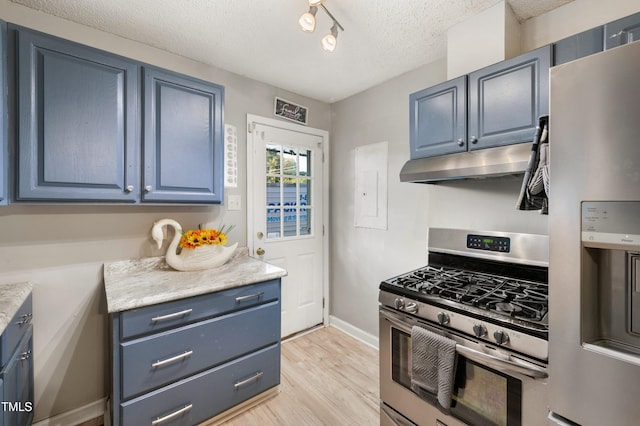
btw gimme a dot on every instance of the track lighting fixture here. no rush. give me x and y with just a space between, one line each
308 24
330 40
308 20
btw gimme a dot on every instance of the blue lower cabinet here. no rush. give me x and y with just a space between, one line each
4 153
17 385
214 352
156 318
207 394
16 368
160 359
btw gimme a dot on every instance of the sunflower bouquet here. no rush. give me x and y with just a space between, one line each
205 237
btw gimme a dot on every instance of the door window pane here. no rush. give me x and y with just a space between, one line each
290 222
274 222
290 192
288 188
305 221
290 161
305 191
273 160
305 162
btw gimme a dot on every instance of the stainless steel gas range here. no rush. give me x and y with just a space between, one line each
487 293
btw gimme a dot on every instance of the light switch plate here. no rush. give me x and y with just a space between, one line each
234 202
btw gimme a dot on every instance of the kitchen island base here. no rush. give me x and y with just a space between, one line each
199 357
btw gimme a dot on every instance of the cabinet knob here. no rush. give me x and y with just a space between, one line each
460 142
129 188
148 188
474 140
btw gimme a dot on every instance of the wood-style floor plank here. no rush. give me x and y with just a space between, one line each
328 378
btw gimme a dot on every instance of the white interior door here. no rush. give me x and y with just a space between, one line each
286 214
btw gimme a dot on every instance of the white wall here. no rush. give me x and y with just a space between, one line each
62 248
361 258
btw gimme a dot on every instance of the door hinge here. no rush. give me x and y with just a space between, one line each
251 127
323 303
323 230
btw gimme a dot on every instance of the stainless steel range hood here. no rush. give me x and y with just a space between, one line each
482 163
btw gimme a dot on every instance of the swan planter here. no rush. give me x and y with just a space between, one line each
190 259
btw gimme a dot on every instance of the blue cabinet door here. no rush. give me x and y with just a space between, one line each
4 166
17 385
183 139
506 99
578 46
438 119
622 31
78 134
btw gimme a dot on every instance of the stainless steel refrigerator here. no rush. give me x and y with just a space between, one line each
594 234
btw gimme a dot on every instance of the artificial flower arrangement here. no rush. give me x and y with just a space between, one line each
205 237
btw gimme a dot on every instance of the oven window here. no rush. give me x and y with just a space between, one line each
401 357
481 396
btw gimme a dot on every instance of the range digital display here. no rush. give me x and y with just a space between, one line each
483 242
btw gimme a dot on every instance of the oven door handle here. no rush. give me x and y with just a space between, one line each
507 366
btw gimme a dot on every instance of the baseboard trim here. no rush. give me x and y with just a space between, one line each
75 417
355 332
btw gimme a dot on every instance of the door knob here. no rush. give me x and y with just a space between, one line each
260 251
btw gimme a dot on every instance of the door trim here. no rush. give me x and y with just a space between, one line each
256 119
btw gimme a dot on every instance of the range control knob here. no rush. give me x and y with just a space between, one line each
398 303
443 318
479 330
412 308
501 337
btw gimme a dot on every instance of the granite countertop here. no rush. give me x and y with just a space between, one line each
131 284
12 296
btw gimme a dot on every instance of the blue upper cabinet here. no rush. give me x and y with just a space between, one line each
78 134
497 105
622 31
506 99
438 119
3 114
183 139
578 46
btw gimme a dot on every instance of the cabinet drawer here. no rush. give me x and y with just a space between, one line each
14 332
206 394
161 317
154 361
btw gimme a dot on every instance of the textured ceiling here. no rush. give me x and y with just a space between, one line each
262 40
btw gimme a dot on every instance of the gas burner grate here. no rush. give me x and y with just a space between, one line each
516 298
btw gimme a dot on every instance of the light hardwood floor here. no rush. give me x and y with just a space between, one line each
328 378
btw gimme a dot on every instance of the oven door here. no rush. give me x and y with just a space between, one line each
489 388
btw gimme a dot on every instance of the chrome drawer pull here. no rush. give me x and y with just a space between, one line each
249 380
24 319
171 316
183 410
172 359
250 296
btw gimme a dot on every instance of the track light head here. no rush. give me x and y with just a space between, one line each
308 20
330 41
315 2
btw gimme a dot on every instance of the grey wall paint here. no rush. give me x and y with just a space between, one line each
62 248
